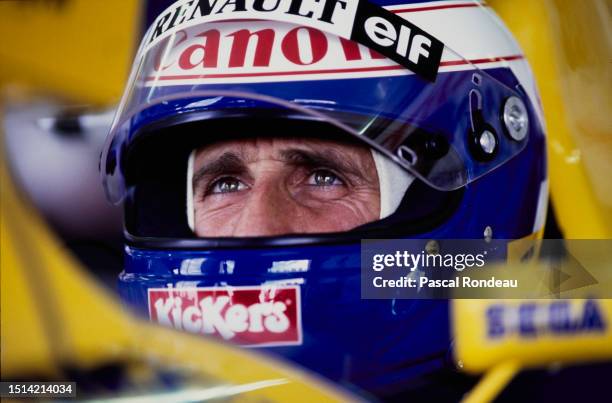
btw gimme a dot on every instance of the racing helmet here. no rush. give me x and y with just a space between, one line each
457 140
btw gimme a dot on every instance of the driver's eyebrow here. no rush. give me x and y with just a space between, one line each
228 163
326 158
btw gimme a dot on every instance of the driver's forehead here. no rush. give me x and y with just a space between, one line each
254 149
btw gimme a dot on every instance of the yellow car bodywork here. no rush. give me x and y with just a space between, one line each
54 315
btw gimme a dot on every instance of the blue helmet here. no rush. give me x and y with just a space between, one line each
460 151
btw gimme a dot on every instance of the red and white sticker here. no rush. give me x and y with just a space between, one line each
225 52
248 316
267 51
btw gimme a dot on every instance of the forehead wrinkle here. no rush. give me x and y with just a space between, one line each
325 157
247 150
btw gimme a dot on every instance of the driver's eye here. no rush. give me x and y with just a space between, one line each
324 177
226 185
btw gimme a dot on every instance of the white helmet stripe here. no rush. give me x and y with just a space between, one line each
190 206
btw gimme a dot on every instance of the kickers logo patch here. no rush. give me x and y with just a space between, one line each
248 316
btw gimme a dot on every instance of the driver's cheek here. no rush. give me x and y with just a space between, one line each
217 221
355 208
275 210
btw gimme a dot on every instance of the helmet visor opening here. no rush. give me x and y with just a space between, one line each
158 204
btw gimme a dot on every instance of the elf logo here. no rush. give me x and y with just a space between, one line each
399 40
250 316
384 33
535 319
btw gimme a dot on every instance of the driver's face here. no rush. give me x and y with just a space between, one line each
274 186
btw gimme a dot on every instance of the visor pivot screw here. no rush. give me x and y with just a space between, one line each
432 247
488 234
487 142
515 118
482 136
407 155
